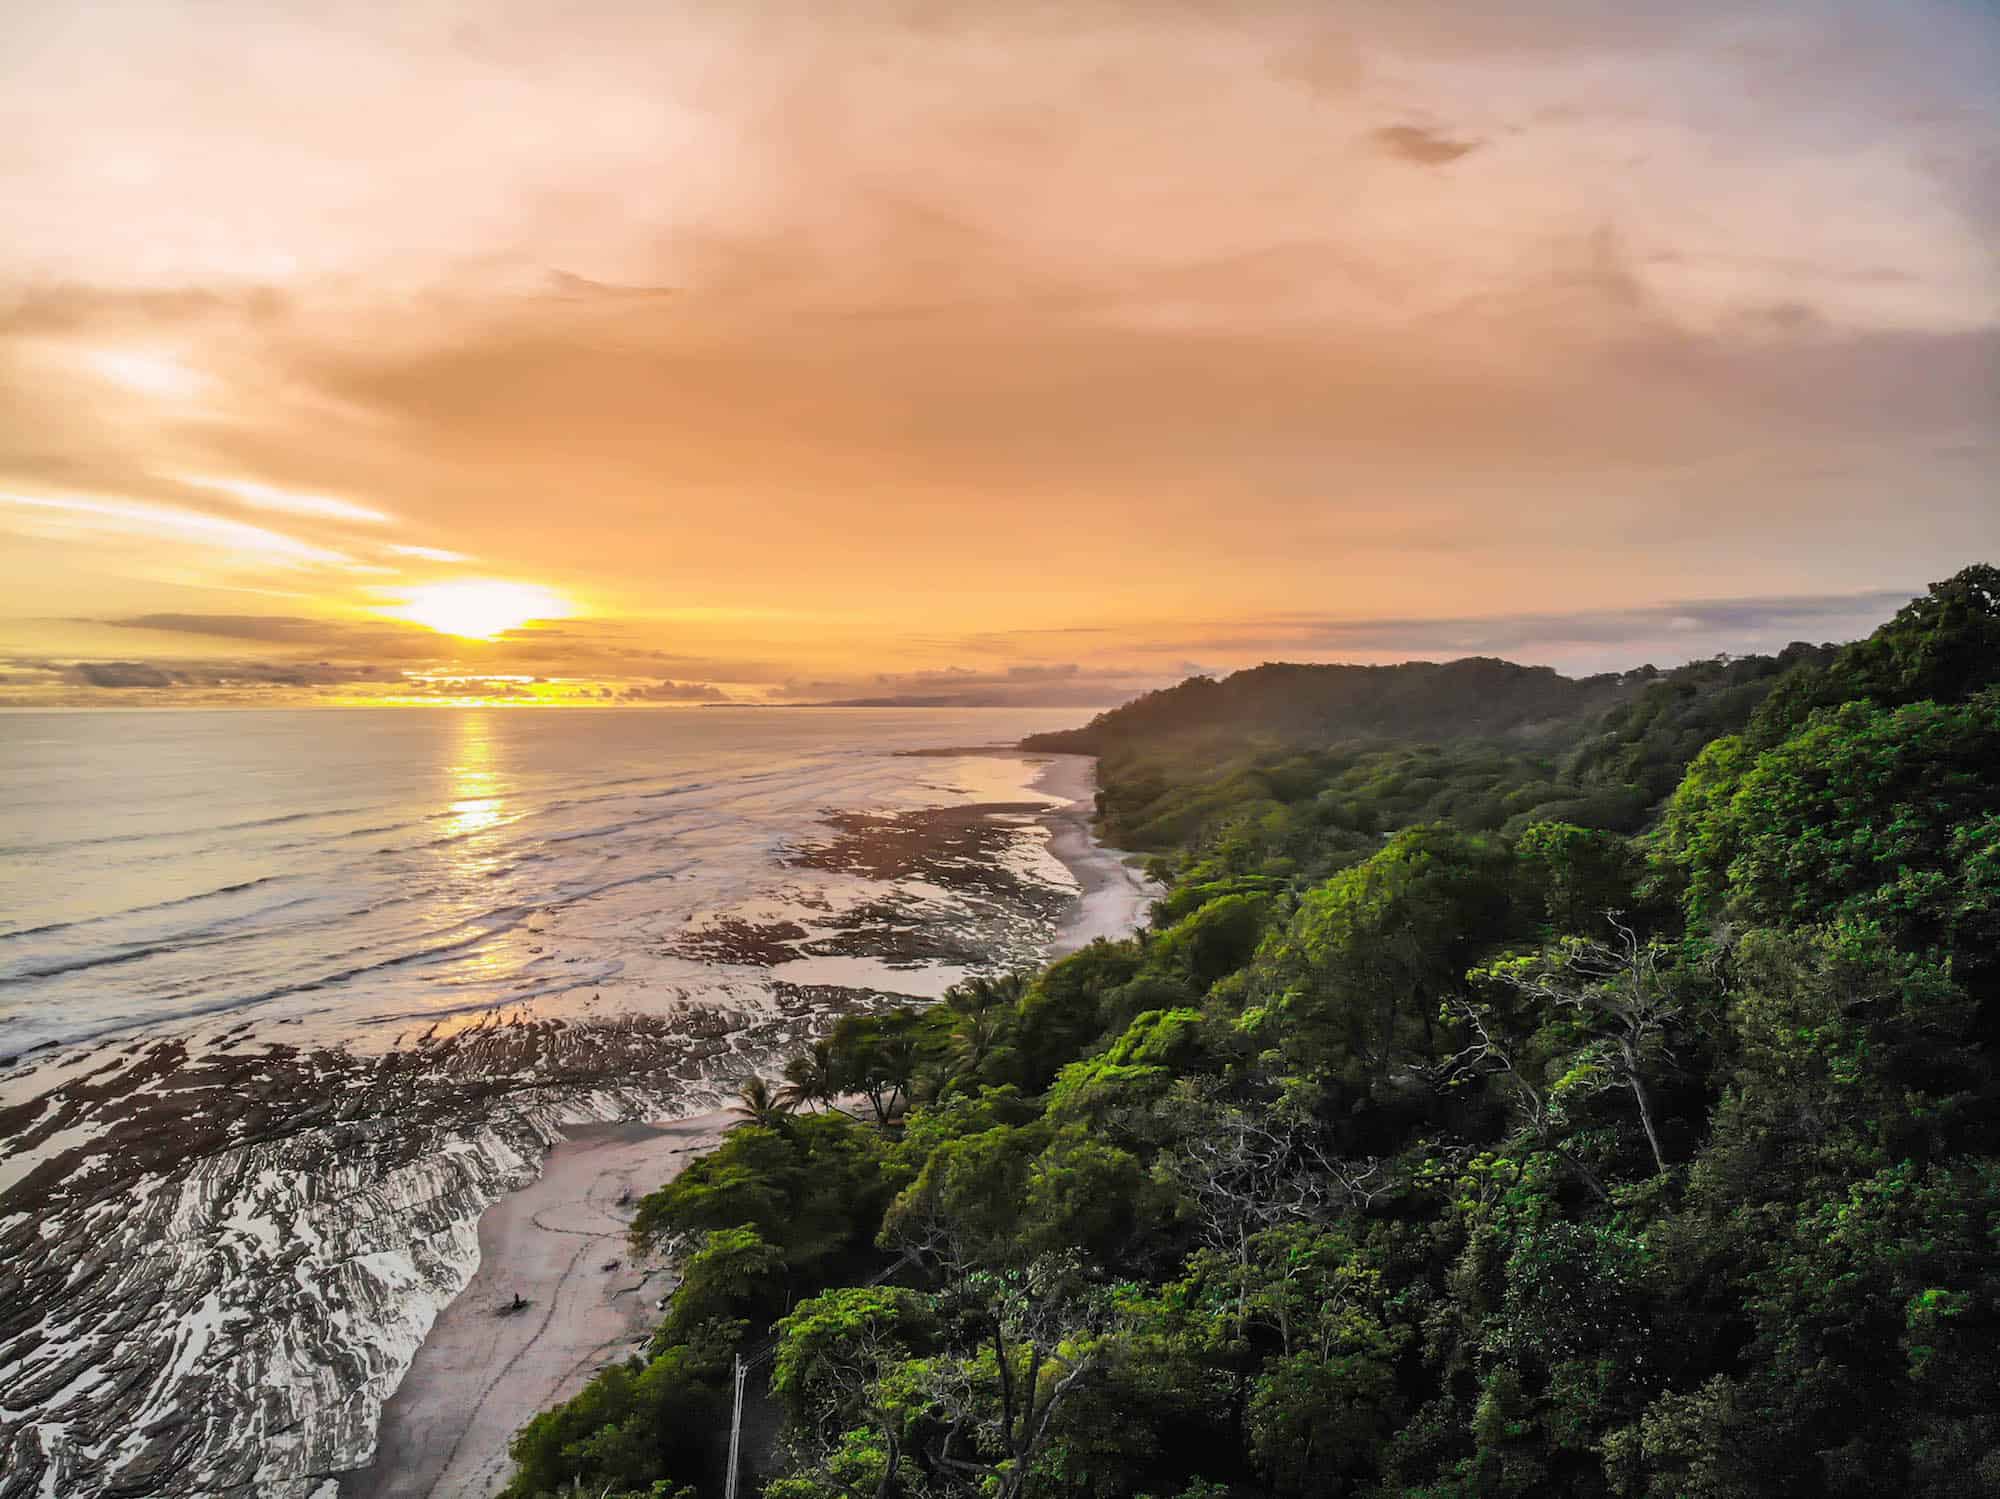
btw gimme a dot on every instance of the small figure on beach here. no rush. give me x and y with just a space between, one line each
624 1197
611 1264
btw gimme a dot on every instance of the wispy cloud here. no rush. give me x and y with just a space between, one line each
270 497
1425 147
130 520
428 554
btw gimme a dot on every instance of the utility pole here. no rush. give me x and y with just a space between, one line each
735 1430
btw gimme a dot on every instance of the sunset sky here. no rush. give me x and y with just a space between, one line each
1027 351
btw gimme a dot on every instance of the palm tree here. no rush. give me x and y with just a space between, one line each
812 1078
759 1105
976 1037
980 994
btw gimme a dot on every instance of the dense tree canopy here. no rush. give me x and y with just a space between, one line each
1428 1144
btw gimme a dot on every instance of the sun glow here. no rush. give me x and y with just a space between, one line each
148 372
481 608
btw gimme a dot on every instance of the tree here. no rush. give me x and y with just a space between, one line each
1064 1008
1582 873
812 1078
1877 814
1383 943
1942 647
1045 1331
734 1274
963 1210
814 1188
1618 990
1496 1050
878 1057
836 1357
758 1103
1212 941
1246 1169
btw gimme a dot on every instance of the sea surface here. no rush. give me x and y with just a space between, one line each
367 872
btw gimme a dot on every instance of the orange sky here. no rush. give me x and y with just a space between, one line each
1030 352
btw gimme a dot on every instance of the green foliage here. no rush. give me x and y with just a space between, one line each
832 1348
1942 647
1361 969
631 1424
1391 1164
1580 874
734 1274
1212 941
814 1189
1880 815
1066 1006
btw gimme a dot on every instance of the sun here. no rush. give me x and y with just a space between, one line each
481 608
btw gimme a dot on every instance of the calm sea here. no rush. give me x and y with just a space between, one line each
364 874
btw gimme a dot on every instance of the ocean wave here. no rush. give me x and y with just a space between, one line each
63 845
49 927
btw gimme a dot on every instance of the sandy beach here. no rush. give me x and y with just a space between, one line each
483 1373
1113 896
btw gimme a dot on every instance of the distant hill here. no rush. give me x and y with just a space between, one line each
1478 697
1486 743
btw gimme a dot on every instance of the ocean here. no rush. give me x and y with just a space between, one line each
288 999
366 872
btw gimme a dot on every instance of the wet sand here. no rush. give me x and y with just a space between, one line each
482 1372
1114 897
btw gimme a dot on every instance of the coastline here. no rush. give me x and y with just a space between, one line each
548 1242
479 1375
1113 897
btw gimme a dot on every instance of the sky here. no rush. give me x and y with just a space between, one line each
678 352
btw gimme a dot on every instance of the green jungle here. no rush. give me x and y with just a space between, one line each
1524 1086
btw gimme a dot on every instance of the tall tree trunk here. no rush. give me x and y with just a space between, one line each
1644 1097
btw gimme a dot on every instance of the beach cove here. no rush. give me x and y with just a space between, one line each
234 1249
484 1371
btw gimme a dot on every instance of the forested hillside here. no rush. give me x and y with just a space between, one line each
1295 704
1428 1144
1485 744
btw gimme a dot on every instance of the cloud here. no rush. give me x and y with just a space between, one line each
127 521
1051 685
216 674
604 648
564 286
675 692
1425 147
120 674
41 307
381 639
270 497
946 325
283 629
